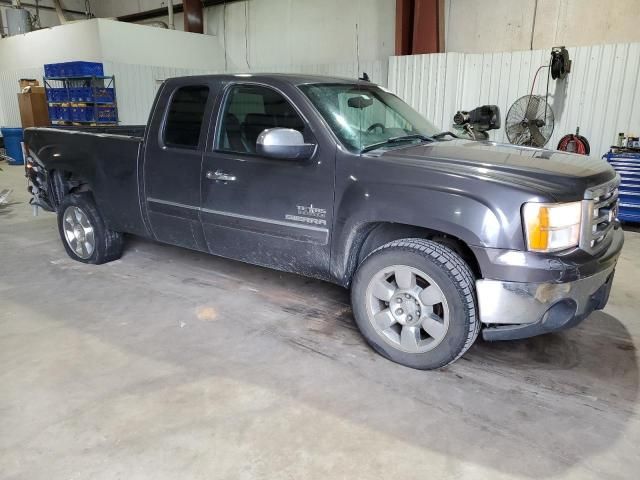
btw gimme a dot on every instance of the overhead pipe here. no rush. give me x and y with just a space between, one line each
172 25
155 23
160 12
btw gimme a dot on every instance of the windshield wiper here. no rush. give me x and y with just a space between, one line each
393 140
444 134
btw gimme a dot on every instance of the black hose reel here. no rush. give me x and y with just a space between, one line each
560 63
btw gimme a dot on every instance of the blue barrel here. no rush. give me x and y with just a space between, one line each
12 139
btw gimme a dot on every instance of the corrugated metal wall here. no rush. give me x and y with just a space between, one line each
601 95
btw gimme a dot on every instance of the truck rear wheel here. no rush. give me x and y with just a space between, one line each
83 232
414 302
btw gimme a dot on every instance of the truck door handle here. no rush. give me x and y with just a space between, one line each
221 176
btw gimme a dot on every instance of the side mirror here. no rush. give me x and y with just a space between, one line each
284 144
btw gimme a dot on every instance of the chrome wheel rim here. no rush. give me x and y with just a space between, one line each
407 309
78 232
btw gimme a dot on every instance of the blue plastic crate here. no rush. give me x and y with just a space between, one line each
105 95
81 94
12 139
59 114
57 95
53 112
107 114
52 70
74 69
73 94
83 69
82 114
88 94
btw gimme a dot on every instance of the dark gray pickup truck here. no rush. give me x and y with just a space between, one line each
340 180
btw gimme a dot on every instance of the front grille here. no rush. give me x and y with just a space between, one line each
599 214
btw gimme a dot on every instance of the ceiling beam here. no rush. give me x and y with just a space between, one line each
161 12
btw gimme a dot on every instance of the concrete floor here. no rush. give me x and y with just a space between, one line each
173 364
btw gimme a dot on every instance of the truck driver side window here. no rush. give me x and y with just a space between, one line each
185 116
249 110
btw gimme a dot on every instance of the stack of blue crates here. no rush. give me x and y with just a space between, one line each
87 96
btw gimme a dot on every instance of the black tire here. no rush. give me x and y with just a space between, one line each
454 278
108 244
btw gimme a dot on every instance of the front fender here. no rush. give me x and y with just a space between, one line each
454 212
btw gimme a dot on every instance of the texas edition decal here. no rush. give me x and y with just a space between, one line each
310 214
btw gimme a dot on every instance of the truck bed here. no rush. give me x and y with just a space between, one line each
106 158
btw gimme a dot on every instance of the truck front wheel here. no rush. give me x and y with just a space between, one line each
83 232
414 302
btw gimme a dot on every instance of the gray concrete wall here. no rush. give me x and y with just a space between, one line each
475 26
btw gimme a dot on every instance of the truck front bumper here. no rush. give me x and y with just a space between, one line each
511 310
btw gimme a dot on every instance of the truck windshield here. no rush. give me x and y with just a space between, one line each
365 117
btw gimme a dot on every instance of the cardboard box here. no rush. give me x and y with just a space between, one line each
33 109
28 82
30 89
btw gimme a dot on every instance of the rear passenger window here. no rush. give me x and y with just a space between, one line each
185 116
250 109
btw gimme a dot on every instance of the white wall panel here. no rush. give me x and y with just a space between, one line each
137 84
9 88
601 95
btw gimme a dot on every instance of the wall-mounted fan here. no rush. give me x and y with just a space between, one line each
530 121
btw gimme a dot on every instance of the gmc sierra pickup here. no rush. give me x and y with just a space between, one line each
341 180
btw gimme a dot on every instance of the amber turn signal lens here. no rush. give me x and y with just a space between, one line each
552 227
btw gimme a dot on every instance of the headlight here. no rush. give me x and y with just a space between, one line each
550 227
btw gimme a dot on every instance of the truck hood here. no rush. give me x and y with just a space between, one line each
558 174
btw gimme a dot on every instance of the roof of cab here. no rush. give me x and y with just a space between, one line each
292 78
